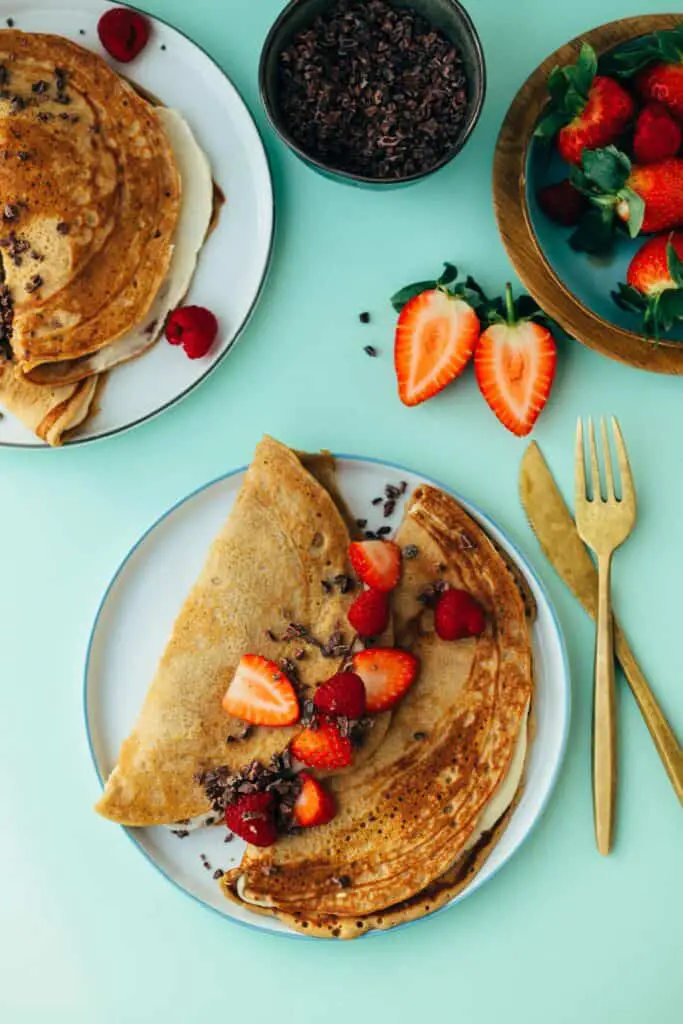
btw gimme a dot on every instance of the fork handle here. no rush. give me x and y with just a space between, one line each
604 713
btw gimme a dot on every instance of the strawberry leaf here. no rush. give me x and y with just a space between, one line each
675 265
568 88
629 299
404 295
595 231
606 170
449 274
582 74
636 210
631 58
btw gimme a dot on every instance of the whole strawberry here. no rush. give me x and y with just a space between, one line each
657 135
648 198
654 284
562 203
586 110
655 61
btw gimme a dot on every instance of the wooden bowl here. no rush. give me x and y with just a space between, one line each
515 221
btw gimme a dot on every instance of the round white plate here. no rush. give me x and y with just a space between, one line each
234 261
135 619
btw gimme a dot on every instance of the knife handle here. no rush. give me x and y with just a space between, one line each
662 734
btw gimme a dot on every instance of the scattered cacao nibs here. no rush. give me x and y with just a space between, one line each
345 583
389 508
181 833
364 318
361 523
63 228
410 551
81 31
11 211
60 79
343 881
95 129
44 115
403 487
419 736
62 98
209 821
39 258
327 586
163 46
40 86
218 874
224 787
289 668
64 116
9 22
370 535
377 501
383 531
150 328
373 89
228 838
390 491
34 283
24 154
270 635
371 351
17 104
6 317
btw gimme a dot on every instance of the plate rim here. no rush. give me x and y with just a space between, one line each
267 266
514 220
519 556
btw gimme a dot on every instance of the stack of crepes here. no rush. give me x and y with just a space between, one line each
433 787
106 202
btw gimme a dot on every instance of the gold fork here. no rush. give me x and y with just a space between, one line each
604 524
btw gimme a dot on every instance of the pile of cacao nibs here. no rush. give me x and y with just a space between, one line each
373 90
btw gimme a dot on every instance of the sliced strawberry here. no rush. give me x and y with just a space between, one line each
515 366
261 694
369 613
342 695
123 33
376 562
314 805
323 747
458 615
252 817
435 337
387 673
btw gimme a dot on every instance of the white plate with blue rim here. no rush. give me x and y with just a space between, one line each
135 619
233 263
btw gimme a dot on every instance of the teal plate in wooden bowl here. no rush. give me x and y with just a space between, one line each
572 287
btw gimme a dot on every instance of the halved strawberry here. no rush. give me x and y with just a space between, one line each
435 337
342 694
261 694
323 747
387 673
369 613
314 805
376 562
515 366
252 817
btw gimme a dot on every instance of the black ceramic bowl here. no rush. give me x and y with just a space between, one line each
446 15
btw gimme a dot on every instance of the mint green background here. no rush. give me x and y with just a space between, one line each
89 933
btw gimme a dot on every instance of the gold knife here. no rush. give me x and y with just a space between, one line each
554 527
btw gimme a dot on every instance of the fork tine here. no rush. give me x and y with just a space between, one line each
579 468
595 467
609 473
628 492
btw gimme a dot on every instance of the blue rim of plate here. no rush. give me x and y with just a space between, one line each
520 558
79 441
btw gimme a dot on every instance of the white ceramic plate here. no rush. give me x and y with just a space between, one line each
135 619
234 261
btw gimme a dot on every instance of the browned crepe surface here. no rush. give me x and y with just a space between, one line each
85 151
406 816
264 570
48 411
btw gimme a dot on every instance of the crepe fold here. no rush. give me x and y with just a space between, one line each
418 817
263 572
91 194
48 411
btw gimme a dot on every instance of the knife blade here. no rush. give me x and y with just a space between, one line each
554 527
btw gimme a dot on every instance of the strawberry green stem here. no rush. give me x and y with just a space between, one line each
510 312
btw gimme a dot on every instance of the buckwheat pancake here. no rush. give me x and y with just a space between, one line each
437 790
48 411
285 534
91 194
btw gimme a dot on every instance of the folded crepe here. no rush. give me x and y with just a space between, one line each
91 194
419 817
261 583
48 411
